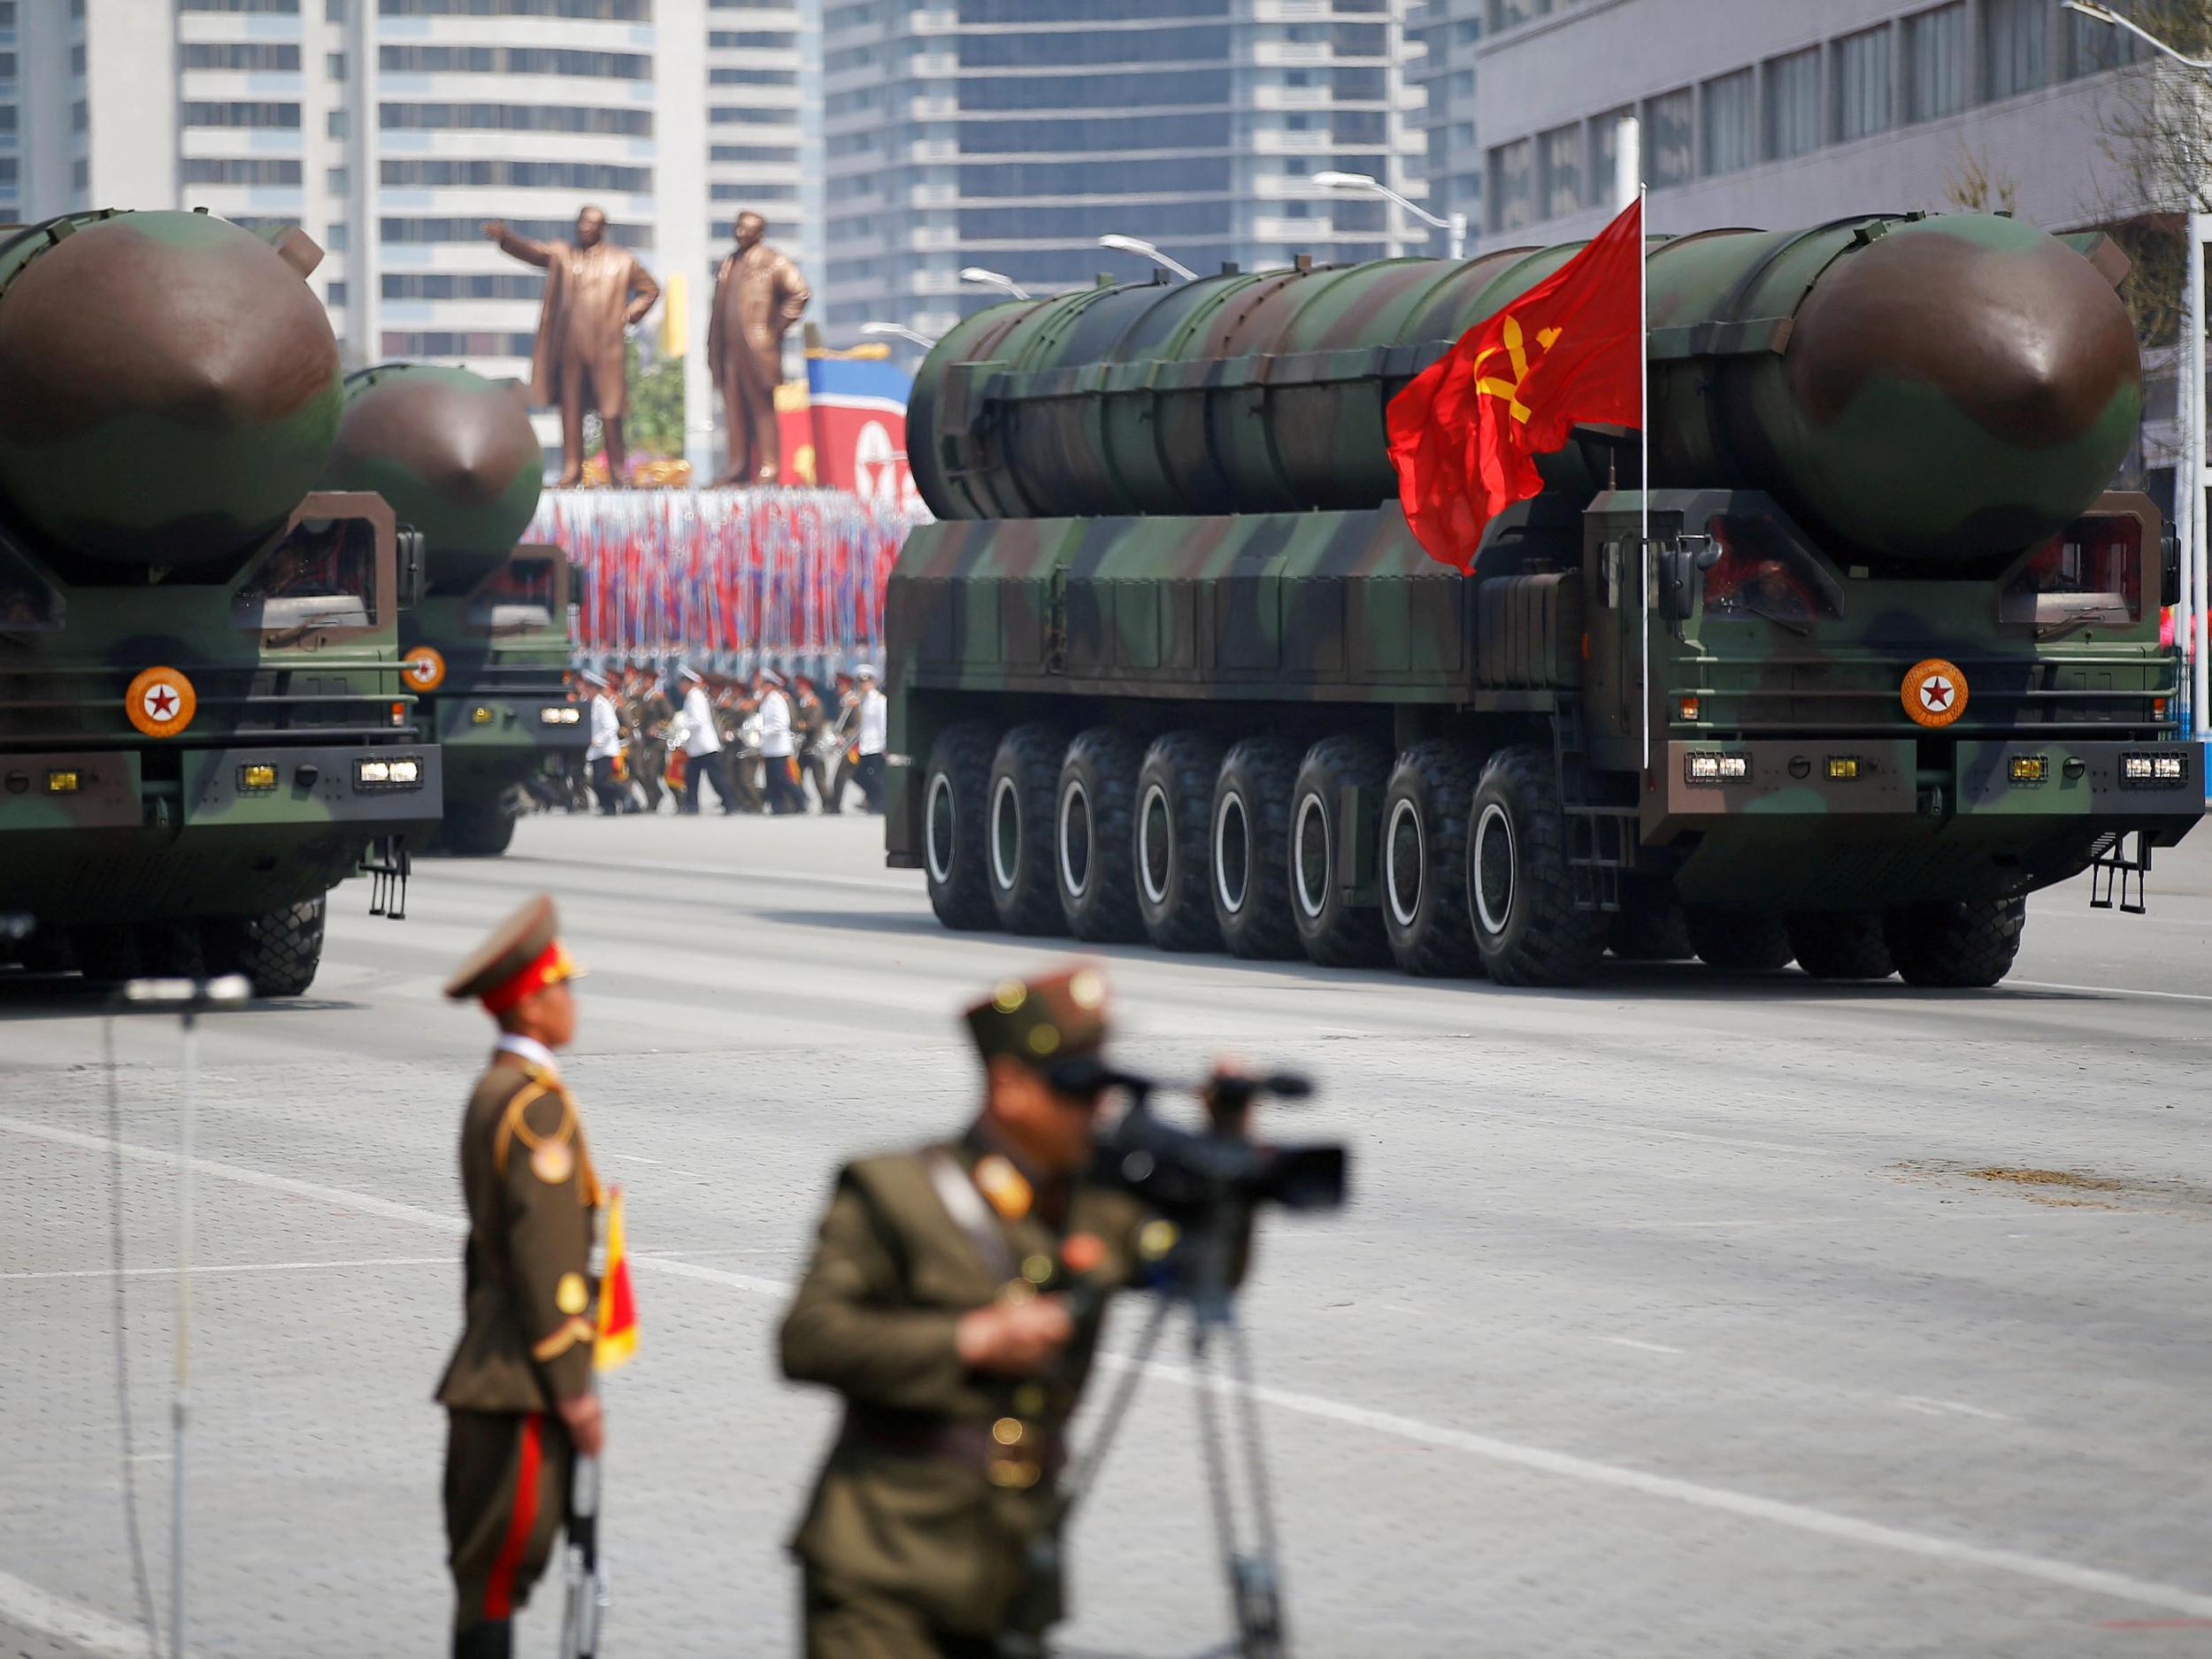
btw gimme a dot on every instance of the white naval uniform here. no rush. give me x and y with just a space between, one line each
700 734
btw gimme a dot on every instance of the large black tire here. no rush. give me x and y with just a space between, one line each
1173 846
1739 941
1024 782
1520 893
1334 932
1650 925
1250 842
477 829
1422 860
1830 946
955 856
278 952
1093 836
1958 944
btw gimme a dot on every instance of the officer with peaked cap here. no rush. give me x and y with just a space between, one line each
955 1300
518 1391
778 764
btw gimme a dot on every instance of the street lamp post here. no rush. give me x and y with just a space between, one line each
2190 474
1145 250
898 331
981 278
1452 225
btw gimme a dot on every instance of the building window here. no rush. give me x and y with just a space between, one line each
1731 138
337 180
595 11
521 176
240 55
1605 155
1505 13
335 65
1792 114
1559 172
1512 199
513 118
2016 46
1670 157
1935 63
513 60
335 293
240 169
243 114
2092 47
338 123
1862 62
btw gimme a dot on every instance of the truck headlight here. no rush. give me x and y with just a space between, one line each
1708 768
372 772
2159 770
560 715
407 771
2030 768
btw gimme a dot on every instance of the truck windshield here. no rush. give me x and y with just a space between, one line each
521 597
28 603
2090 571
321 576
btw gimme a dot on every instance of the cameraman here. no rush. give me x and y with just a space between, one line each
955 1300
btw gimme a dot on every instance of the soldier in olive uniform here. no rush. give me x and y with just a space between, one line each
651 713
808 720
518 1391
955 1301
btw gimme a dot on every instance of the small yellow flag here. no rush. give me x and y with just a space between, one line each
618 1303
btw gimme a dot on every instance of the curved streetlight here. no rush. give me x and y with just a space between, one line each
981 278
2190 510
899 330
1145 250
1454 226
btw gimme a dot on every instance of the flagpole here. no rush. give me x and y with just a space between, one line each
1628 187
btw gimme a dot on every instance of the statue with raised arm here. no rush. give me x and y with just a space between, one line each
594 291
758 295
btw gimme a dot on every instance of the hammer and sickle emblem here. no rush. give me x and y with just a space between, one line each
1517 354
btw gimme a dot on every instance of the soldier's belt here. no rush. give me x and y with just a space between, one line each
1002 1444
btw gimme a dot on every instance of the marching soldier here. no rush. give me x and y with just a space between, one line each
809 721
955 1301
650 721
873 727
518 1391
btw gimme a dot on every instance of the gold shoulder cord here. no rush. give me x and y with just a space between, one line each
515 1125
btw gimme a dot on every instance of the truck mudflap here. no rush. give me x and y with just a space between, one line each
262 786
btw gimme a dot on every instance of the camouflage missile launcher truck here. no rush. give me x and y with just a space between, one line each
1171 666
486 649
202 723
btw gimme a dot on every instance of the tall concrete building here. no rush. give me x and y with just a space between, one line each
1759 113
1448 35
393 130
1012 133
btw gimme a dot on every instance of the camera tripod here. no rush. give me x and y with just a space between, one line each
1221 1364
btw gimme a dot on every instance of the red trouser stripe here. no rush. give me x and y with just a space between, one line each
499 1591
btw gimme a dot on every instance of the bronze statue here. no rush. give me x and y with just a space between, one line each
758 293
593 290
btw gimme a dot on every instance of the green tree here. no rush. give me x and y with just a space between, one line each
655 424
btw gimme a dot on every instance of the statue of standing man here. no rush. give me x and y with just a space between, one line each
593 290
758 293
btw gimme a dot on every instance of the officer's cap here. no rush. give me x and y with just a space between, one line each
524 954
1045 1021
770 675
866 671
688 672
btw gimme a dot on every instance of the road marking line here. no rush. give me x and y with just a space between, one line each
240 1267
1798 1516
2109 990
1648 1348
1922 1402
51 1614
1802 1517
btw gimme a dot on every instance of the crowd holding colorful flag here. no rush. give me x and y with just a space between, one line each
725 574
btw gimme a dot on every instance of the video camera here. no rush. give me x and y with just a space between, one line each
1189 1177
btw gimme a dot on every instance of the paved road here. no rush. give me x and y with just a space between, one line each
1678 1316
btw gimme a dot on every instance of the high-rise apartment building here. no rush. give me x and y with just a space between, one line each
393 129
1012 133
1448 32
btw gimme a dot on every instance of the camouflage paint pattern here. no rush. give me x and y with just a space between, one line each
172 387
172 828
1914 389
453 453
455 457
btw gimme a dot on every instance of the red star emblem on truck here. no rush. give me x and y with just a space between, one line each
161 702
1934 691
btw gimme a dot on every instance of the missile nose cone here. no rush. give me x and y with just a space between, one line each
2015 331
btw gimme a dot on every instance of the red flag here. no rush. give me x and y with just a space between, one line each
616 1337
1465 432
